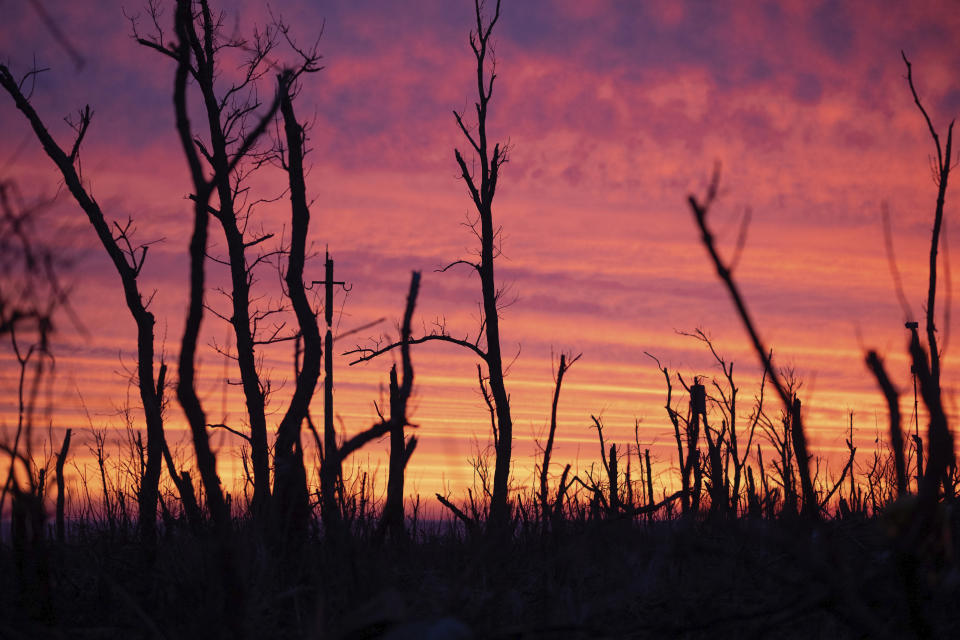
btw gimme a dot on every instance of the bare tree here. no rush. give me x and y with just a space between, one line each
700 210
482 188
546 508
128 259
689 463
228 152
229 142
926 361
875 364
401 448
29 298
62 487
778 431
290 482
194 54
30 291
941 175
334 453
26 488
726 401
482 196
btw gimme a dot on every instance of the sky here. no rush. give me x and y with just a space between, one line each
614 112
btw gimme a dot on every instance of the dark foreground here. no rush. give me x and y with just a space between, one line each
606 579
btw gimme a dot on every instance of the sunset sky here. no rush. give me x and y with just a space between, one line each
614 112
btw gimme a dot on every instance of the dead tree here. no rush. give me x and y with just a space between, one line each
482 196
482 192
27 513
649 487
220 161
401 448
181 479
611 502
128 259
335 453
29 297
194 54
940 457
694 464
225 146
726 401
941 175
875 364
927 362
777 432
700 210
718 487
545 506
291 502
689 463
62 487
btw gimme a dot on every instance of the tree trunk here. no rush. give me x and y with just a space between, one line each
291 500
61 487
810 508
392 519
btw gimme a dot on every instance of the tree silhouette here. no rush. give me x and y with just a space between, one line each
546 508
292 503
941 176
220 162
194 54
229 152
700 209
128 259
926 360
482 194
401 448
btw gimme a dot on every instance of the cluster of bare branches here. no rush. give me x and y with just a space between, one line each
220 163
30 290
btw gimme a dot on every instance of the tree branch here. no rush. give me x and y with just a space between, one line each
366 354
